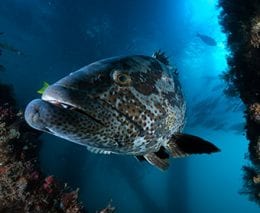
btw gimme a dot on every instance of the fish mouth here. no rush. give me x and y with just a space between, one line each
71 107
70 99
64 112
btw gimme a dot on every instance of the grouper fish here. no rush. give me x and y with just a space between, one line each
130 105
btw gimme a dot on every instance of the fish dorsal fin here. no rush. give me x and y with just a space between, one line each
153 159
181 145
160 56
97 150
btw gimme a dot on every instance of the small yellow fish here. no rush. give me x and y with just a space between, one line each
44 87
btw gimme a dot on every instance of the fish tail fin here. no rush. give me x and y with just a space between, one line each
182 145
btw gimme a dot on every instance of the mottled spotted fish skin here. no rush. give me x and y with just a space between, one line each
125 105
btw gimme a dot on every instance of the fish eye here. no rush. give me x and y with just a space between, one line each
122 79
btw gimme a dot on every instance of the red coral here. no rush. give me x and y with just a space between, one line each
2 170
48 184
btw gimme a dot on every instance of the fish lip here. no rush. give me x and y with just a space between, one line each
69 106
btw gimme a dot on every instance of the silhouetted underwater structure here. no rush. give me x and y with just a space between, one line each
241 22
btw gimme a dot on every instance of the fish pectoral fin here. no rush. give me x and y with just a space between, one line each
182 145
161 163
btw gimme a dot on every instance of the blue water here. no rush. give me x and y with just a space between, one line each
57 37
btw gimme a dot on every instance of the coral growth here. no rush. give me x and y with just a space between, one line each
241 22
255 32
23 188
251 184
254 111
6 134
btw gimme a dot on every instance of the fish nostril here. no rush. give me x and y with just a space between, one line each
35 117
36 110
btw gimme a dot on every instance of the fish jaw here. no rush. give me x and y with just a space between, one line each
71 114
56 120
